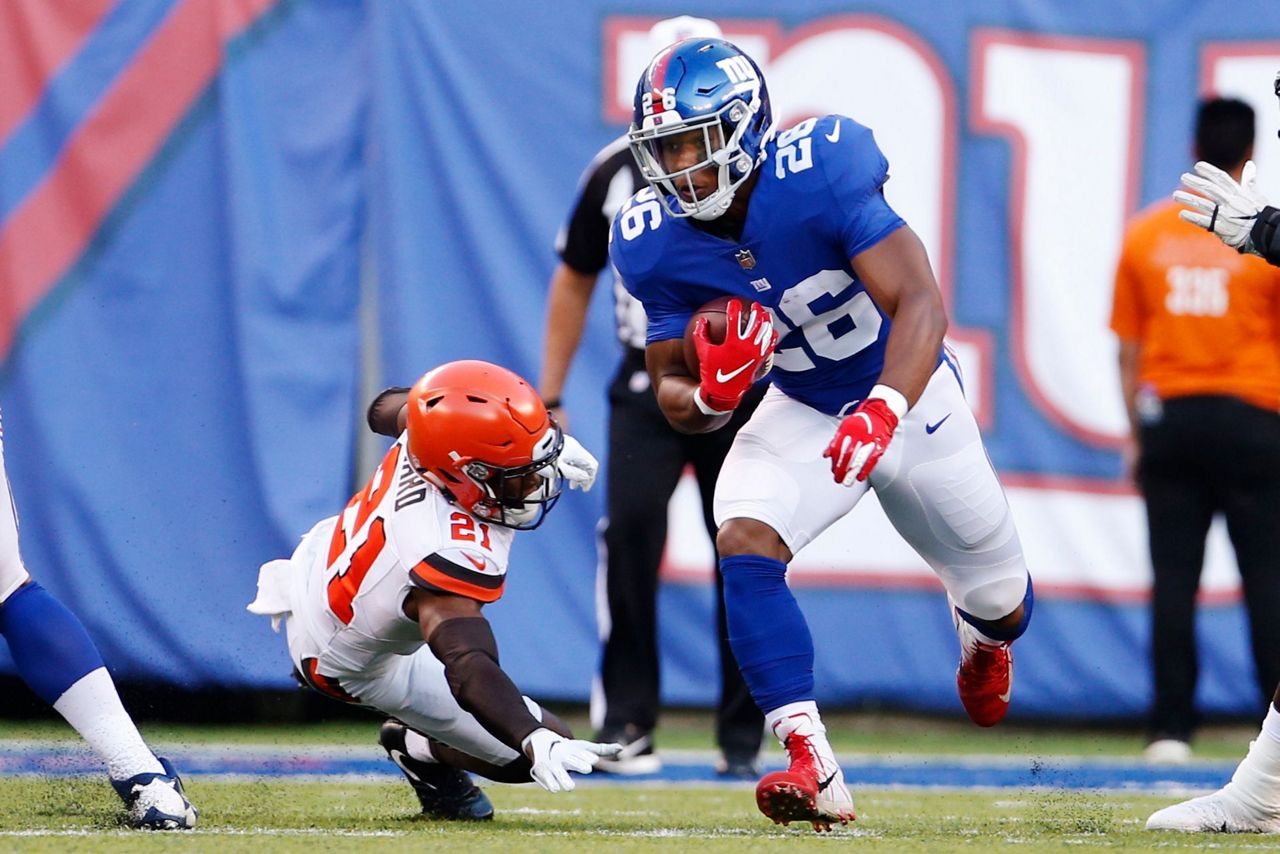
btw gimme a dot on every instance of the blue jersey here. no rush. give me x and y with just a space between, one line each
816 204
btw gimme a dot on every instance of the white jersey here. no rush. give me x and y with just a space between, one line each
352 573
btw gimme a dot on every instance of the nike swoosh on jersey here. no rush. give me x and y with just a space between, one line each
932 428
478 564
722 377
834 135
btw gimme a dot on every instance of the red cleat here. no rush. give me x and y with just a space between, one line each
800 794
985 681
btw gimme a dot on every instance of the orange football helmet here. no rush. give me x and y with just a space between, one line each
482 435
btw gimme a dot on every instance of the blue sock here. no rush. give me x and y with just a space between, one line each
1028 605
47 642
767 631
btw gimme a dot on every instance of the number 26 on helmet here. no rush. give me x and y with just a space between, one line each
700 124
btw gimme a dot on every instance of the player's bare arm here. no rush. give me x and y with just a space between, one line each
1130 352
675 387
567 304
897 274
725 370
463 641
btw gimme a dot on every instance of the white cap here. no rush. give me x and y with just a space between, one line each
671 30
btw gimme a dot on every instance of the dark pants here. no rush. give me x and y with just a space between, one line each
646 459
1209 455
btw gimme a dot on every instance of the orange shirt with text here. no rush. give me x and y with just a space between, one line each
1207 318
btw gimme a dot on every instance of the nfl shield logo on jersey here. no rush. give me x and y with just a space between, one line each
746 260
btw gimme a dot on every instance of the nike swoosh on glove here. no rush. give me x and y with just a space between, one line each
577 465
553 756
1224 207
728 370
860 441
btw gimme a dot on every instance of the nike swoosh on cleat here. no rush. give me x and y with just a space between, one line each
722 377
932 428
1008 692
822 787
834 135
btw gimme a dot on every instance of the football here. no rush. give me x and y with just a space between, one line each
716 328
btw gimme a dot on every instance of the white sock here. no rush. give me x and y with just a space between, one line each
802 717
1271 723
418 746
93 708
1256 781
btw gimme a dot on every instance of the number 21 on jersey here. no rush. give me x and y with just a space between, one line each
345 583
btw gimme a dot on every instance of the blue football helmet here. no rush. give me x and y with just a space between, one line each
705 94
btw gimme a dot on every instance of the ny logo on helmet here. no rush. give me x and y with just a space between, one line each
738 69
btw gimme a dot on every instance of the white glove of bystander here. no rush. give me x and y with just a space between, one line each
1224 207
554 756
576 464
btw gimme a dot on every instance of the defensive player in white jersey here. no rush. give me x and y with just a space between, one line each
838 290
56 658
383 601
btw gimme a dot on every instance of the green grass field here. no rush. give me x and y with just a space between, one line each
271 814
281 816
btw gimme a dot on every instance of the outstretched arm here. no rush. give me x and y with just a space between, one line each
463 641
1236 212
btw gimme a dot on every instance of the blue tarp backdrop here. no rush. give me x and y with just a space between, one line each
197 197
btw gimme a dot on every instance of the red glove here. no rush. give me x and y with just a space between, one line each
727 371
861 439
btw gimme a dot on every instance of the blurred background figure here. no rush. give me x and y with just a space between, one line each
1200 373
646 459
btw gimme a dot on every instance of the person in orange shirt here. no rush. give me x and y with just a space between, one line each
1199 330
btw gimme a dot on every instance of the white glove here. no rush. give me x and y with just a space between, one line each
554 756
1224 207
576 464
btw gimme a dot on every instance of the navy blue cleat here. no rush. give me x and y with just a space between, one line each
156 801
444 791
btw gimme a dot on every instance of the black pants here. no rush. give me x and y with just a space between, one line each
646 459
1209 455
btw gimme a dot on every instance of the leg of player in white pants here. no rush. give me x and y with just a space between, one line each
414 689
55 656
938 489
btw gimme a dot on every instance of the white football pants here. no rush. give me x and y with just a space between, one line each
935 483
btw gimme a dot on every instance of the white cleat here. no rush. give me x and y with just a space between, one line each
1220 812
812 788
156 801
1250 803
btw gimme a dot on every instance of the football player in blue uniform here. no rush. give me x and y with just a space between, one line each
838 291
